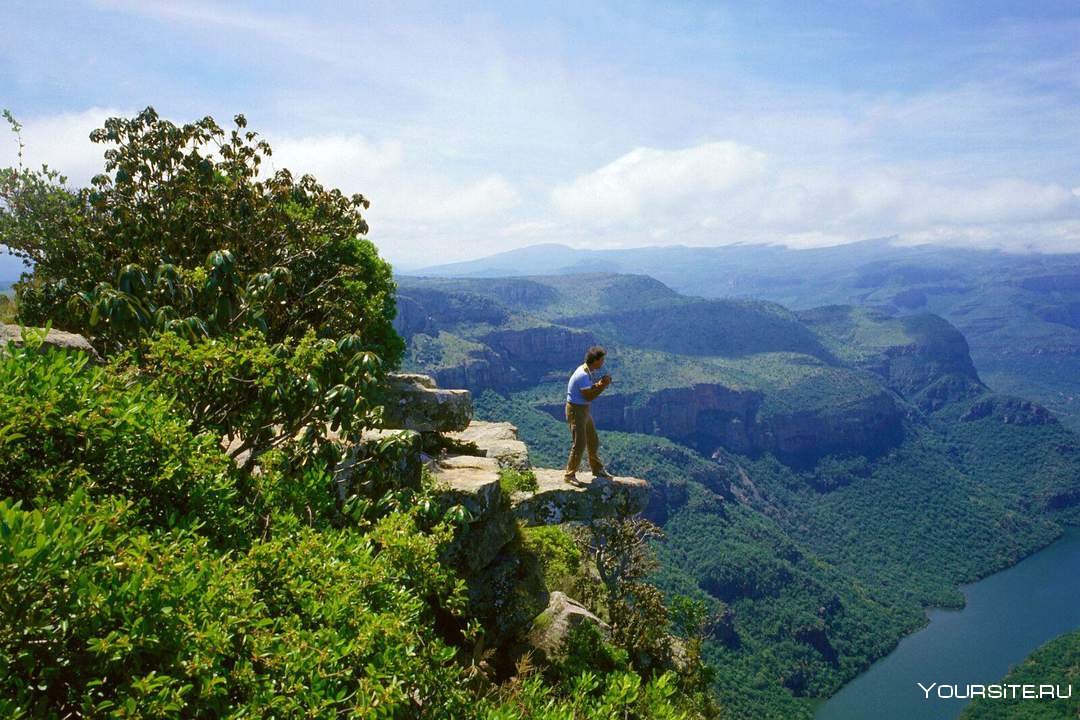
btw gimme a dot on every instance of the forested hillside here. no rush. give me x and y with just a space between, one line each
1056 663
1018 311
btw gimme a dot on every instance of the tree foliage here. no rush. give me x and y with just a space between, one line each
251 295
181 232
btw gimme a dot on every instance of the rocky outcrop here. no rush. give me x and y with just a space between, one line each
931 372
557 501
414 403
498 440
551 627
505 585
473 483
1008 410
55 338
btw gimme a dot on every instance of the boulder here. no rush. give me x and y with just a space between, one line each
55 338
414 403
557 501
562 614
498 440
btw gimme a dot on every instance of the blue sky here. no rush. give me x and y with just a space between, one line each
483 127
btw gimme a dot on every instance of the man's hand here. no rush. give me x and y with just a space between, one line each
596 388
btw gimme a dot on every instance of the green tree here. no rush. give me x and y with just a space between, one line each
254 298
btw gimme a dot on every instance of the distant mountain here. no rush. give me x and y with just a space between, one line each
1020 313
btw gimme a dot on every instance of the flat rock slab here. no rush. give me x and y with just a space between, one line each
468 480
498 440
557 501
414 403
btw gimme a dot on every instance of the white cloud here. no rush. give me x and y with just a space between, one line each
722 192
647 178
401 190
349 162
62 142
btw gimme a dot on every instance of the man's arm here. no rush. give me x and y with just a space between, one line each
593 391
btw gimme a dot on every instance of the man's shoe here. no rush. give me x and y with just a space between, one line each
604 474
571 478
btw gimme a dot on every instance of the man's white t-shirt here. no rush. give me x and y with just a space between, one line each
580 380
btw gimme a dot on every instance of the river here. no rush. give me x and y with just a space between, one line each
1007 615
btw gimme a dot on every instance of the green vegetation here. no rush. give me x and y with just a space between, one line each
512 481
434 353
150 573
145 574
818 571
559 555
1055 663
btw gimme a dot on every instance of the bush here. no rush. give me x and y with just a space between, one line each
512 481
558 554
66 425
101 617
261 396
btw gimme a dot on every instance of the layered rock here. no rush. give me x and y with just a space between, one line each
482 369
534 351
498 440
713 415
473 483
505 585
413 402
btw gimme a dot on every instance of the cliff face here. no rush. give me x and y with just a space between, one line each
710 415
922 357
534 351
483 369
468 341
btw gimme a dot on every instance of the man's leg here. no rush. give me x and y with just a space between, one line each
592 441
578 438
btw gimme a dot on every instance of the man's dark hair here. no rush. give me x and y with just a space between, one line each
594 353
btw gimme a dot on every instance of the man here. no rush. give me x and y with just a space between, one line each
582 389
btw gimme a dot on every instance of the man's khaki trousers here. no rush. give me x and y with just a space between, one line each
584 437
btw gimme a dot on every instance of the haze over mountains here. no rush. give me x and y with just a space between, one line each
1020 313
822 471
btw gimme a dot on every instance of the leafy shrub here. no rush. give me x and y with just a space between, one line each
512 481
179 232
66 425
558 554
262 396
98 616
588 696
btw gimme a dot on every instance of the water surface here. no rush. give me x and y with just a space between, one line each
1008 615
